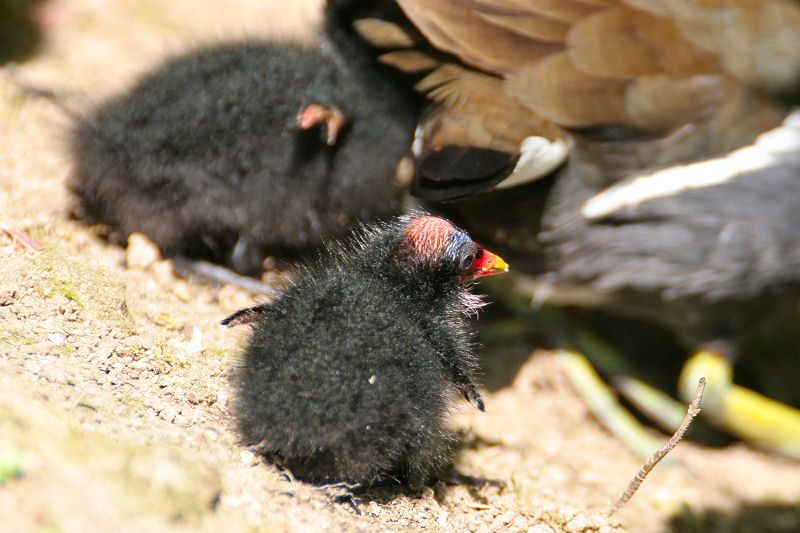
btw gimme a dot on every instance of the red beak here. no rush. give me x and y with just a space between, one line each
487 264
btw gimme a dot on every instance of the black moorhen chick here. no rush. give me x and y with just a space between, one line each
243 150
350 374
642 157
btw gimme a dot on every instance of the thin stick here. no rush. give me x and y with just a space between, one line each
633 486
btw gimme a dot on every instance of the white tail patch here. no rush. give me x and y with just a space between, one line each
538 158
766 151
419 141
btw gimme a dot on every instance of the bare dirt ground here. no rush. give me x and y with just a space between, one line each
114 396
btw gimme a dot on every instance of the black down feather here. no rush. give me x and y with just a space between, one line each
350 374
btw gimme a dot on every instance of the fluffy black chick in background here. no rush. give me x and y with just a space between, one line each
350 374
239 151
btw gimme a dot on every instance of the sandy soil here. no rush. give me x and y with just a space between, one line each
115 411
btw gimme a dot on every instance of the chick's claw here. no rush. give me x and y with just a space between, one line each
332 118
473 396
350 500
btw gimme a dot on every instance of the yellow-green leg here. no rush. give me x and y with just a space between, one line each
742 412
599 397
604 405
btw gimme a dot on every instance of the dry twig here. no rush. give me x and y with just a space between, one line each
633 486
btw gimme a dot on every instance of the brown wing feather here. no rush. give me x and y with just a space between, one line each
484 35
758 41
487 116
620 42
409 61
661 102
533 26
556 89
383 33
648 64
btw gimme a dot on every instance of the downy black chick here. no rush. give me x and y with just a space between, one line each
350 374
243 150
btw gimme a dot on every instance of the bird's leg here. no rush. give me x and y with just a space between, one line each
604 405
463 382
578 346
246 316
331 117
349 499
750 416
211 273
349 494
352 492
740 411
651 402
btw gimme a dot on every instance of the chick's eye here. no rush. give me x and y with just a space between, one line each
467 261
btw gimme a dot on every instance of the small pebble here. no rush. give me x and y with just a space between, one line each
222 398
54 374
195 345
502 521
247 458
140 365
137 342
164 270
105 349
182 290
141 252
577 524
168 413
7 298
33 367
